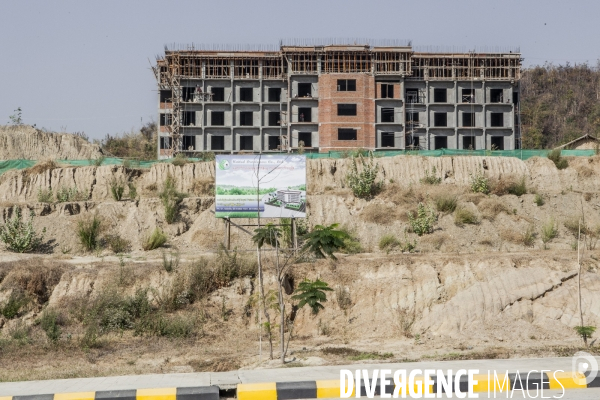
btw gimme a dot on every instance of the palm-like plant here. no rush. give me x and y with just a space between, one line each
312 293
324 240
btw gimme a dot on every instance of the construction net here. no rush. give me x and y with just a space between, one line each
521 154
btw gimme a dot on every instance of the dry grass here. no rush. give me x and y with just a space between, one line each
221 364
525 237
40 168
380 214
491 207
203 187
474 198
509 185
33 277
435 240
486 242
464 215
583 171
401 195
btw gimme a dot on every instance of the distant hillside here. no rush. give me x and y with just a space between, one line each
27 142
559 104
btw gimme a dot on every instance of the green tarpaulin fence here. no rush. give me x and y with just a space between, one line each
521 154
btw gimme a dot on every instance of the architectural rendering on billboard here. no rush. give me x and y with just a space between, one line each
273 186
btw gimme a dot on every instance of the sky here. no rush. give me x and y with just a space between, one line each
84 66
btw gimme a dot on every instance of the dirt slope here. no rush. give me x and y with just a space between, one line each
471 290
27 142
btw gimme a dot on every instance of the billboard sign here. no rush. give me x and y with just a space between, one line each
272 186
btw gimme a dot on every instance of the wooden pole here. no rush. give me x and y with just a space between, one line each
579 283
227 234
294 237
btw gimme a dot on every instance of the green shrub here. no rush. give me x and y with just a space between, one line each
171 198
480 184
45 196
49 322
528 237
118 244
97 161
431 179
132 191
112 311
423 222
446 203
179 160
207 156
518 188
539 200
13 305
117 188
66 194
388 242
155 240
363 183
20 236
464 216
20 332
549 231
158 324
557 159
170 262
88 231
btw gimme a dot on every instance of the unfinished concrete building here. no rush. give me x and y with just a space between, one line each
336 97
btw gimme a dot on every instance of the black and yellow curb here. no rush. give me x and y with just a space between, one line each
186 393
498 383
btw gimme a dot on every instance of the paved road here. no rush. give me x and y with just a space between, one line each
229 380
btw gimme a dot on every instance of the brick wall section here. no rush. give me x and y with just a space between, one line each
363 122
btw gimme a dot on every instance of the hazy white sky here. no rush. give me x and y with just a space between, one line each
83 65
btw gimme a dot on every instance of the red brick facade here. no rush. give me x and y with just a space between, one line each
330 121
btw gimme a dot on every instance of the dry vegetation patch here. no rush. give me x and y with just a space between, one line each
381 214
203 187
491 207
39 168
32 277
474 198
525 237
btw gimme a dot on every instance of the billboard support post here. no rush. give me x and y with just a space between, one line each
227 233
294 237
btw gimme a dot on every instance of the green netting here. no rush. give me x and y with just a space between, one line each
15 164
521 154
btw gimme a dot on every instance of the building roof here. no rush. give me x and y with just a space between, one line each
587 136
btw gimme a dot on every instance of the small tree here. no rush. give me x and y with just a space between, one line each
16 118
585 332
362 182
20 236
312 293
423 222
324 240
